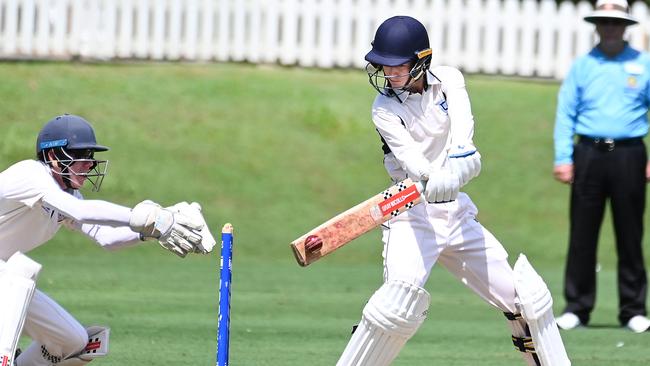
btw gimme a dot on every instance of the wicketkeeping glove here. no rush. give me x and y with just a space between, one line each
442 186
465 162
175 231
193 211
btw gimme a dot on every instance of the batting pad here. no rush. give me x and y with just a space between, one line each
391 316
536 305
17 283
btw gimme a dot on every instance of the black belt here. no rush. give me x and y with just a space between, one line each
609 144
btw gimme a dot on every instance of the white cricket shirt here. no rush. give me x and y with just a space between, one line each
420 130
33 207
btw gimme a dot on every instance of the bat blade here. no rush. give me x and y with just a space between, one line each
356 221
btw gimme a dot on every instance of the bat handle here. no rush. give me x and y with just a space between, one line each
420 186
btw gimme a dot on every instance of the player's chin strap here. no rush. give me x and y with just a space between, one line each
65 177
64 160
402 93
534 330
418 70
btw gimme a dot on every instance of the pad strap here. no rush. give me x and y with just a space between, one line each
522 339
536 305
524 344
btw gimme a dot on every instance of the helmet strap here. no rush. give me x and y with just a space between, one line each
385 88
64 172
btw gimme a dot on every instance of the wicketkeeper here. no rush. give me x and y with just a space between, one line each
425 121
39 196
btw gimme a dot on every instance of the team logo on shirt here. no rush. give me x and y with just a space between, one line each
50 212
631 82
443 105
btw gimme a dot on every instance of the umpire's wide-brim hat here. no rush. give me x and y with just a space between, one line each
611 9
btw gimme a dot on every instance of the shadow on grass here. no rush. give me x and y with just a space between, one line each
604 326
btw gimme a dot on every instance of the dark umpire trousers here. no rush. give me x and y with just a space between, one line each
616 171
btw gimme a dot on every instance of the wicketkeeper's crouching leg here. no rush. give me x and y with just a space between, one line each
534 331
95 345
391 316
58 338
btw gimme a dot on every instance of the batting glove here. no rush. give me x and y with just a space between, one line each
466 163
442 186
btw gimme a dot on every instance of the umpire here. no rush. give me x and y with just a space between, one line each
604 101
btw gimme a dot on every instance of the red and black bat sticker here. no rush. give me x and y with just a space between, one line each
399 200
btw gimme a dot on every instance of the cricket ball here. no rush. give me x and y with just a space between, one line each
313 243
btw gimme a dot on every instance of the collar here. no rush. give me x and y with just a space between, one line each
432 79
47 168
624 54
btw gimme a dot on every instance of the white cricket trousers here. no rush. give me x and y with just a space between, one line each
55 334
448 233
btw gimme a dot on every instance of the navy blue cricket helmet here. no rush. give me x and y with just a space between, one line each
399 40
68 131
71 139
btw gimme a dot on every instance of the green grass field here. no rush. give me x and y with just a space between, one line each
277 151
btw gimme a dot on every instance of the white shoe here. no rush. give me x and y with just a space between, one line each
568 321
638 324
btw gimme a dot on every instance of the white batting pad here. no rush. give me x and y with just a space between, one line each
536 305
17 283
391 316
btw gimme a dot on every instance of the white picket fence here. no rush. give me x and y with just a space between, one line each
511 37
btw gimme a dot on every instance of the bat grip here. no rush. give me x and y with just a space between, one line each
420 186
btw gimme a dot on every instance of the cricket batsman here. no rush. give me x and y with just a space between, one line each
425 122
39 196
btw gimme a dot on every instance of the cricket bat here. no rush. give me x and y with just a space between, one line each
356 221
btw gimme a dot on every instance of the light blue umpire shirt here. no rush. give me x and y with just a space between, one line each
603 97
